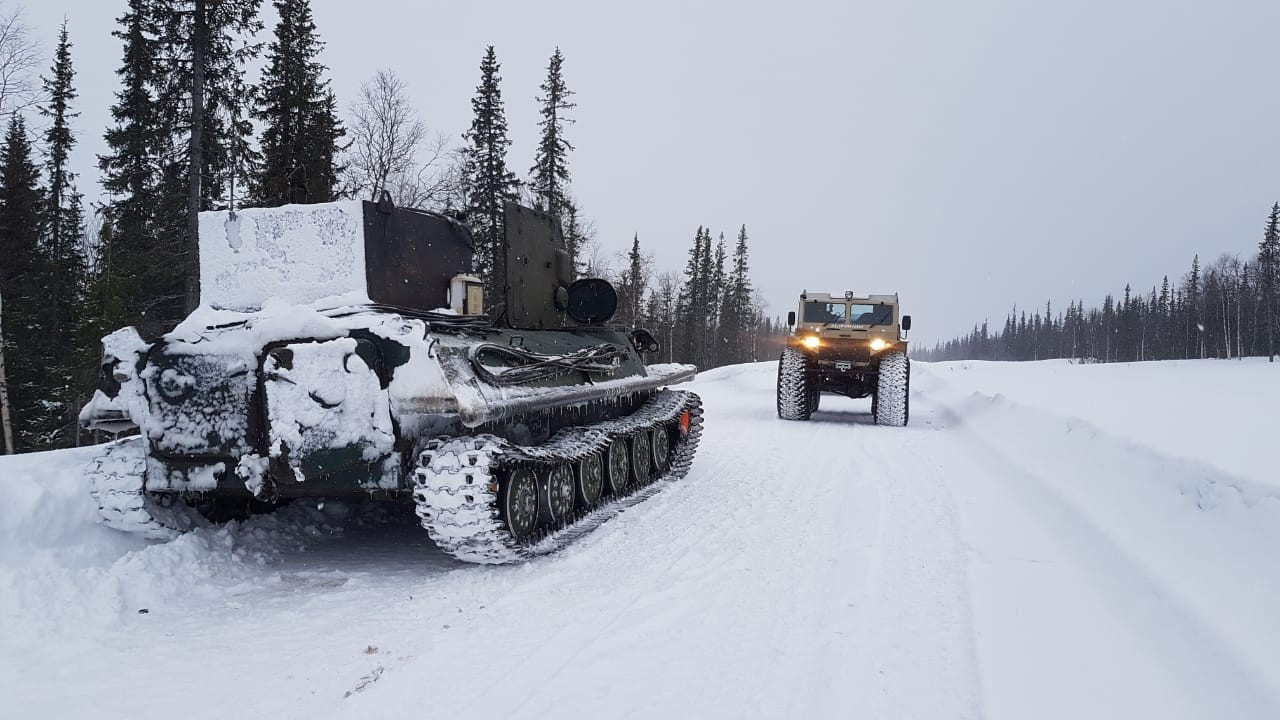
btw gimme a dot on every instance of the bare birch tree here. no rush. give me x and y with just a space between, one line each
19 57
392 150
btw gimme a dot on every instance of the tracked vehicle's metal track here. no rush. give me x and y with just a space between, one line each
456 481
117 478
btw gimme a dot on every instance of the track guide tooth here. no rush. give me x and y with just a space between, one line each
455 481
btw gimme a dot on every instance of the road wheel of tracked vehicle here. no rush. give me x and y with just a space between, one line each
794 393
562 492
641 457
661 442
518 500
590 481
618 475
893 391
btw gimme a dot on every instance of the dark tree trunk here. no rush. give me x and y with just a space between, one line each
6 427
195 168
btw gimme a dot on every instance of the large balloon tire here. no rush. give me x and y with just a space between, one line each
795 394
892 406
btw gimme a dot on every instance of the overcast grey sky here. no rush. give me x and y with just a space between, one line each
966 155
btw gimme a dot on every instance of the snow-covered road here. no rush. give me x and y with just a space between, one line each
1043 540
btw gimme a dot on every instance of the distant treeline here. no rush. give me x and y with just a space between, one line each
1225 310
709 316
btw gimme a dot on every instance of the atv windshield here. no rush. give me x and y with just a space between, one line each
824 312
853 314
870 314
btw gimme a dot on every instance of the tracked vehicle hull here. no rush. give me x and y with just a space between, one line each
505 440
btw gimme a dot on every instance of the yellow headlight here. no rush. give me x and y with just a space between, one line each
878 344
811 341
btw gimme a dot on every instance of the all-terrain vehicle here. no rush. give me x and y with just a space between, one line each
847 345
343 350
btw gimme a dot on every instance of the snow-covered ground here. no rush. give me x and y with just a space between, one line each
1043 541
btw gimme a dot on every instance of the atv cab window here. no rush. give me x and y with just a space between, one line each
823 312
870 314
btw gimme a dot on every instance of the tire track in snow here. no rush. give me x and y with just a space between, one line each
834 514
917 628
904 648
875 660
598 563
549 663
1192 672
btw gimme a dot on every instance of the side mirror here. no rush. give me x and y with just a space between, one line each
791 318
906 322
644 341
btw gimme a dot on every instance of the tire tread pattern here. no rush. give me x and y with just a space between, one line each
893 390
795 397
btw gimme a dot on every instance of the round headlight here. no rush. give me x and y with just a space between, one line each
175 386
878 344
811 341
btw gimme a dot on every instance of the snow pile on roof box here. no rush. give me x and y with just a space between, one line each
300 253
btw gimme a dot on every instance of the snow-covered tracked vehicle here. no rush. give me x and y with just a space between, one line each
342 351
848 345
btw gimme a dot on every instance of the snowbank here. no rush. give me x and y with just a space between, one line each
46 514
1219 412
1147 492
63 573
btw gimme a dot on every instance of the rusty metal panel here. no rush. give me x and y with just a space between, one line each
410 255
537 272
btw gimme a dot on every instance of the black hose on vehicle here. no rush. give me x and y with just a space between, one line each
523 366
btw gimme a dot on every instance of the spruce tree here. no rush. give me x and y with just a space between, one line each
715 302
550 171
687 316
705 302
632 288
1269 277
736 313
693 302
578 234
1163 310
59 140
490 183
62 248
23 278
1195 310
208 44
301 132
139 279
